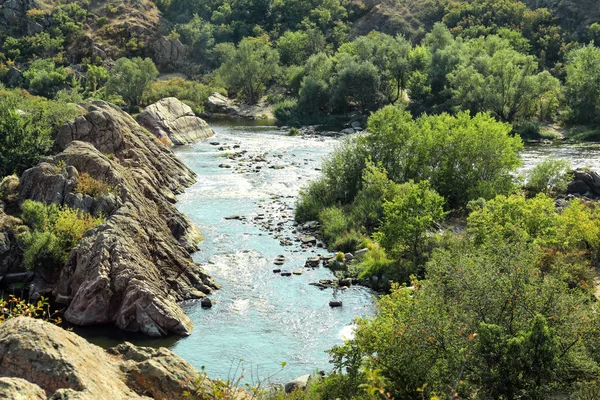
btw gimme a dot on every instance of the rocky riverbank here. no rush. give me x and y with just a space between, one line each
42 361
134 269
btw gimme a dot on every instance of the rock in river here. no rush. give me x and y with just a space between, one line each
172 119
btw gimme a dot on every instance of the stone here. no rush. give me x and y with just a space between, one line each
206 302
14 78
360 254
219 104
313 262
168 54
578 187
347 282
134 269
297 272
20 389
40 357
590 178
286 273
335 303
300 383
277 271
309 240
174 120
347 131
356 126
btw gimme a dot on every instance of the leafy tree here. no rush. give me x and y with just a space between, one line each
45 79
407 219
355 82
22 143
496 78
583 84
293 47
252 66
131 78
95 77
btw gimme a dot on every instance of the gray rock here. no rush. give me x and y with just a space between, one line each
40 357
206 302
20 389
217 103
14 78
299 383
170 118
168 54
335 303
132 270
347 131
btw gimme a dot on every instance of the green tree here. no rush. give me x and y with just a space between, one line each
131 78
583 85
253 65
45 79
95 77
407 219
293 48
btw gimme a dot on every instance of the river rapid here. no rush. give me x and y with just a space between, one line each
261 319
259 316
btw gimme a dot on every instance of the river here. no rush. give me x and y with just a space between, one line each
261 319
258 316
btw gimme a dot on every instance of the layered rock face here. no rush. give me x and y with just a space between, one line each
171 119
40 360
133 269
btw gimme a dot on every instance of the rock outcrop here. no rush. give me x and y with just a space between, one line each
40 360
174 121
219 104
132 270
168 54
585 183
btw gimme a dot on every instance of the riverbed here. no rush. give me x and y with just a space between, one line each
260 319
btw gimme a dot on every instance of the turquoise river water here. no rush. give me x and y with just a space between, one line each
260 319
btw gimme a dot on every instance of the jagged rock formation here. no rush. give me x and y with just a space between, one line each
132 270
40 360
168 54
585 183
174 121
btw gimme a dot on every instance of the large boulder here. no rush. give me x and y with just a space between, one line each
134 269
585 183
168 54
174 121
219 104
40 360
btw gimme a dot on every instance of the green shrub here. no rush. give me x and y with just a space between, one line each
87 185
102 21
349 241
311 201
334 223
192 93
55 231
550 176
286 112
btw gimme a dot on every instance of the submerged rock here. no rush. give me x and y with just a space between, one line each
132 270
40 360
174 120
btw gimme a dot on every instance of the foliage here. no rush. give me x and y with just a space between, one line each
45 79
192 93
131 78
26 127
254 63
551 176
95 77
407 219
15 307
582 85
87 185
55 231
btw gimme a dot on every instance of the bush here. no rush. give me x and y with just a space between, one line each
26 128
131 78
45 79
311 201
550 176
192 93
287 113
87 185
55 231
334 222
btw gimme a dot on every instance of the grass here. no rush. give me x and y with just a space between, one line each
585 134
